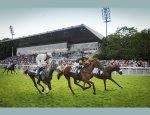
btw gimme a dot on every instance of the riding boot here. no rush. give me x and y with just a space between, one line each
79 68
100 72
76 74
37 71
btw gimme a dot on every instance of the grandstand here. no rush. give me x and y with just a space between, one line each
73 38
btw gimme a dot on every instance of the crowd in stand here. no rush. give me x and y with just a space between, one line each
128 63
21 60
70 57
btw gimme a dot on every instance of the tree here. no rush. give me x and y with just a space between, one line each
141 43
5 39
126 31
121 45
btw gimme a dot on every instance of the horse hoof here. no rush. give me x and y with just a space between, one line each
94 93
47 93
83 89
42 90
40 93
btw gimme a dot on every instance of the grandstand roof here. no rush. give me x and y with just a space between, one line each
72 35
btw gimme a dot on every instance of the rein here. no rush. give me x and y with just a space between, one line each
86 68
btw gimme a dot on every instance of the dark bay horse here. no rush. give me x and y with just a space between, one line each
85 75
107 74
45 77
10 68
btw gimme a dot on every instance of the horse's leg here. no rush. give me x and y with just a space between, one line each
7 71
11 71
15 71
115 82
105 84
69 85
4 70
83 83
33 79
75 82
49 87
38 82
90 82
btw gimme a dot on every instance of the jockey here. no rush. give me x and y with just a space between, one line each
42 61
10 63
97 71
79 64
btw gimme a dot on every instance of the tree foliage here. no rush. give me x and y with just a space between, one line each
127 43
6 49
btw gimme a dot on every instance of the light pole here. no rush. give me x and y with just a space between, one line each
12 33
106 16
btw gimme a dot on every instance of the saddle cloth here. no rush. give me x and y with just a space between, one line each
97 71
74 69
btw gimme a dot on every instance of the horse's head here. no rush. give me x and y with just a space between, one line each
95 63
51 67
53 64
116 67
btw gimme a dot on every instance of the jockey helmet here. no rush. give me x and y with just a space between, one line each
49 54
86 56
80 61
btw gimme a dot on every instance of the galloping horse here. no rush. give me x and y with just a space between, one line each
107 73
10 68
45 77
85 75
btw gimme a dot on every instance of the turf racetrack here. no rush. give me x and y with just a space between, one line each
19 91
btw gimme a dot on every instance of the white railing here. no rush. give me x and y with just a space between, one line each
126 70
135 71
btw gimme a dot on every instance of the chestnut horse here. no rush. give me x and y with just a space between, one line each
85 75
107 73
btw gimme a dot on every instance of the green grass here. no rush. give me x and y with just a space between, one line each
18 91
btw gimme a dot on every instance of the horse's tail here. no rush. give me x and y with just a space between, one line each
65 71
24 71
59 75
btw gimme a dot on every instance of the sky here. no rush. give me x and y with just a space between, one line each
29 21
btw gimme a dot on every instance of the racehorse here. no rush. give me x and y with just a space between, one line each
10 68
45 76
85 75
107 74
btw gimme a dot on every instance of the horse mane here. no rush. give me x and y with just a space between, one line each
98 61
